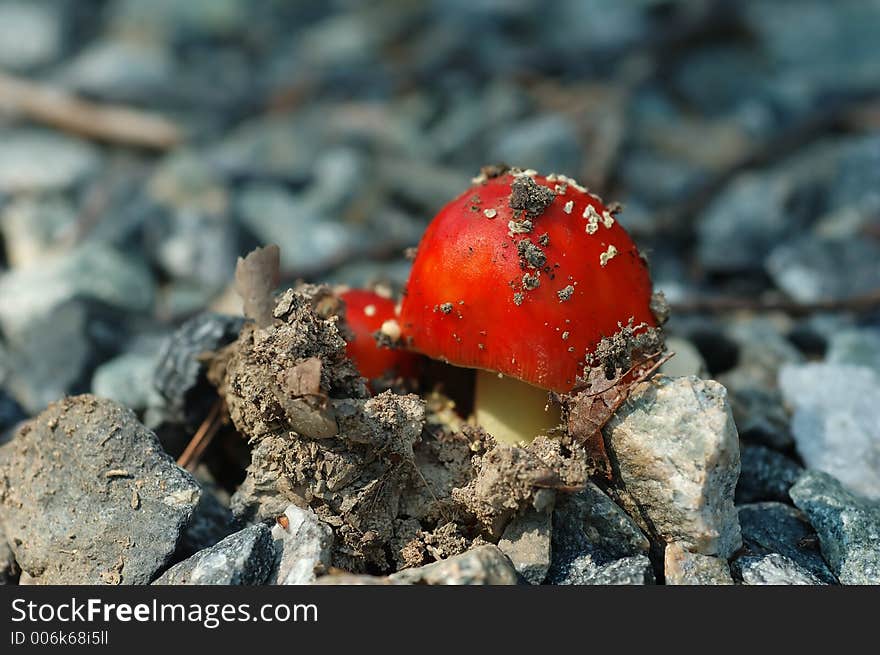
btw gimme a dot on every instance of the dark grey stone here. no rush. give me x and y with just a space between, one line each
243 558
765 474
9 570
635 570
11 413
589 532
772 569
58 355
87 496
211 521
848 527
484 565
777 528
179 375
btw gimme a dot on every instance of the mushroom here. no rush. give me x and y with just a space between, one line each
521 277
371 318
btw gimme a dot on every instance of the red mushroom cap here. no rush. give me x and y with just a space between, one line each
524 275
365 312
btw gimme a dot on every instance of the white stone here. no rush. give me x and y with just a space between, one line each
303 547
836 421
677 452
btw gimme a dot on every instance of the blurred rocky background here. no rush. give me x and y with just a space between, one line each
742 137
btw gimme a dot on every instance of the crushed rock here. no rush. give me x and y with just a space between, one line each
66 485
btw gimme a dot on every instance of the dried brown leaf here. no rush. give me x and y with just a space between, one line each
600 398
256 277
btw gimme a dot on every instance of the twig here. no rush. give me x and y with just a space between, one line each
63 110
194 450
718 305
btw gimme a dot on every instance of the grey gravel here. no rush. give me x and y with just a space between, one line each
778 528
56 356
848 527
765 475
526 541
589 532
24 155
30 35
128 379
303 547
92 271
755 399
859 347
635 570
836 421
682 567
773 569
744 222
687 360
36 228
87 496
243 558
484 565
211 522
676 448
812 269
179 374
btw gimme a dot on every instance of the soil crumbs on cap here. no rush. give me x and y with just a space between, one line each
530 197
617 353
400 484
530 255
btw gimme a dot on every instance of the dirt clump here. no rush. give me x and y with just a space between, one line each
529 197
399 484
618 352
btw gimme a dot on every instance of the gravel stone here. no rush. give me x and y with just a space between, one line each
836 421
87 496
526 541
589 532
304 547
765 475
484 565
773 569
243 558
848 527
675 446
24 155
778 528
683 567
634 570
94 271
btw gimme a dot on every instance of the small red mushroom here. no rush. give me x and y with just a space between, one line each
368 313
521 276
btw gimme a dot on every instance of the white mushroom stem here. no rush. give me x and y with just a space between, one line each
513 411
